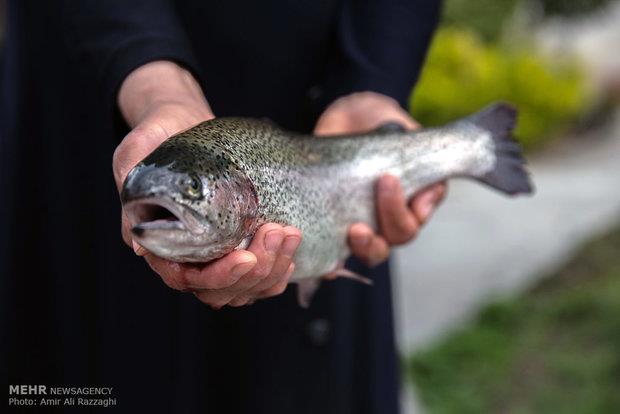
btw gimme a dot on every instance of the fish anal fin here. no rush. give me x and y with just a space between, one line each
342 272
306 289
349 275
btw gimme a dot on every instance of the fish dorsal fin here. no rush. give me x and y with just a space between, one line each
391 127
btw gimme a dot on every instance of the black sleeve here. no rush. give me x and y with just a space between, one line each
110 38
381 46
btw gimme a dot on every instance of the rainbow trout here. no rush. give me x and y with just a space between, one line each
205 191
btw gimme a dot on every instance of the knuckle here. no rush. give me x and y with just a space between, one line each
267 227
292 231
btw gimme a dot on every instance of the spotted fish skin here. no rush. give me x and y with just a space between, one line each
253 172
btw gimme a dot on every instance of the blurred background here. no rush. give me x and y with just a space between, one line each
513 306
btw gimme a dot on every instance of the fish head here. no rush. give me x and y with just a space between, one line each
188 207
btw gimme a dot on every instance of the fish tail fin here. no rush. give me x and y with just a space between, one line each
508 174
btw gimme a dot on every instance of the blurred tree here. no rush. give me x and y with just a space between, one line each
571 7
486 17
463 74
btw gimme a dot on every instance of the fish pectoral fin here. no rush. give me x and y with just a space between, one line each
245 243
305 291
342 272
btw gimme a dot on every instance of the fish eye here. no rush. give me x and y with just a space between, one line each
193 187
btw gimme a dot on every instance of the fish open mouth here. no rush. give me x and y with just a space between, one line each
160 214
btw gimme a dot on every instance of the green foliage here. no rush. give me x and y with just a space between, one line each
572 7
463 74
488 18
556 349
485 17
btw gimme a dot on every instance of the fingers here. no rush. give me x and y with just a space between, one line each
266 246
280 286
424 202
241 276
275 254
369 247
398 224
283 266
215 275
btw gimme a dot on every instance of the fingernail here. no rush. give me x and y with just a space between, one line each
137 249
290 245
242 269
273 240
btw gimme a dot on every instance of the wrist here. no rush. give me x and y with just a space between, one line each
156 84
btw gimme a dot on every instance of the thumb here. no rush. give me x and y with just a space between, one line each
136 145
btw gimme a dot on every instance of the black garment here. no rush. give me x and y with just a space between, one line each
78 307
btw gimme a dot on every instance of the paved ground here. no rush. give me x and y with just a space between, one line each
481 245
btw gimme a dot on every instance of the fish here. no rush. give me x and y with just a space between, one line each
204 192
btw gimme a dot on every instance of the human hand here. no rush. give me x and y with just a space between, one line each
158 100
399 221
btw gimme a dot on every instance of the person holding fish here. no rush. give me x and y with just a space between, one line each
158 109
85 82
